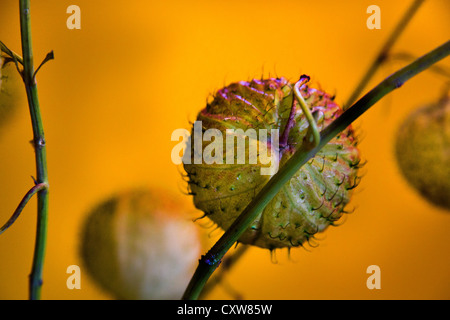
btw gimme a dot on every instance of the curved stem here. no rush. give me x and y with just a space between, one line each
22 204
14 56
313 135
209 262
384 51
35 280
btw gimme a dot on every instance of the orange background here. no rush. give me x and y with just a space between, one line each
137 70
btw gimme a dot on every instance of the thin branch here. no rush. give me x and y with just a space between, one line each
35 280
48 57
209 262
227 264
12 54
384 52
313 134
407 57
35 189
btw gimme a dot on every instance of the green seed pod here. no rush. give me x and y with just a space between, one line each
11 89
315 196
139 245
422 149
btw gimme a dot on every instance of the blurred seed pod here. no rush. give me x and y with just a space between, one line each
422 150
11 89
141 245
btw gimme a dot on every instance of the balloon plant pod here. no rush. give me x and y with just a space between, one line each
11 88
141 244
313 199
422 150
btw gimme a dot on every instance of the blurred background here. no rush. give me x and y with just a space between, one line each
137 70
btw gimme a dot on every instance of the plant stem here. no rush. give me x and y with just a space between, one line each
35 280
227 264
36 188
313 133
209 262
406 57
384 51
11 53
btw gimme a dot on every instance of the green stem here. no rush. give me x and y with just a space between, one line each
313 132
35 280
209 262
227 264
407 57
12 56
384 51
35 189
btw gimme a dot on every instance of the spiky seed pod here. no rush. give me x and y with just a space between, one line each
315 196
11 90
141 245
422 149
